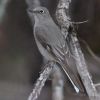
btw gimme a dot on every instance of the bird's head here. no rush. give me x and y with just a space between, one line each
40 13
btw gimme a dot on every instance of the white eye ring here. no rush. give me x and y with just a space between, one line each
41 11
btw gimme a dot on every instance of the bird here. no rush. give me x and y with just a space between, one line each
52 44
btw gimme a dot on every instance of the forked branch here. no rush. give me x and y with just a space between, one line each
63 19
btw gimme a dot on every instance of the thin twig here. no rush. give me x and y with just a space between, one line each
63 18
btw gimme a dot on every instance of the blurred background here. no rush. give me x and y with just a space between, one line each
20 60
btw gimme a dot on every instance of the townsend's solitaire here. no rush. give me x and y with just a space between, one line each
51 43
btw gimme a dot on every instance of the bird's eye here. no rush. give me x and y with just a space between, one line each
41 11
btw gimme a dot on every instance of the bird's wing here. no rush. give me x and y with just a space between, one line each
67 64
59 53
43 44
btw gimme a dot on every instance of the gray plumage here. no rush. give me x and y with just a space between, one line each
51 43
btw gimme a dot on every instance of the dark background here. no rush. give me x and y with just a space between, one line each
20 60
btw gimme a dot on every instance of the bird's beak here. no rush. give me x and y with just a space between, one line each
32 10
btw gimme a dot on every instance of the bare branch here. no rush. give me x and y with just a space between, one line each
63 18
57 84
82 69
41 81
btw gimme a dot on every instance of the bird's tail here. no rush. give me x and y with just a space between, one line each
73 78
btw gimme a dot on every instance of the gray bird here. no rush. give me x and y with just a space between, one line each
51 43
